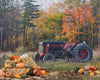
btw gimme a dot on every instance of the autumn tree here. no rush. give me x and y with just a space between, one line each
68 26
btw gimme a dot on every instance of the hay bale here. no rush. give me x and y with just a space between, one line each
16 71
29 61
9 62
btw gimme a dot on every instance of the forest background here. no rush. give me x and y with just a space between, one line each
23 26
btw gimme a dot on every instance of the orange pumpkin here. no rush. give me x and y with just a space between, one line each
11 55
8 74
34 67
14 67
93 68
35 71
21 73
38 73
43 72
90 71
15 57
2 74
91 74
20 65
81 70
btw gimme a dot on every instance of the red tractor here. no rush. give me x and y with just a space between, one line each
50 51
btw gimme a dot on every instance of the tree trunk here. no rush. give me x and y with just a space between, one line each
74 29
24 38
99 37
92 31
78 26
1 37
96 41
33 39
17 35
84 22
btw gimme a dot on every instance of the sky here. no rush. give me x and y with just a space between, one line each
44 4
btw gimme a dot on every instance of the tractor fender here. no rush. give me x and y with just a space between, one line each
70 45
68 48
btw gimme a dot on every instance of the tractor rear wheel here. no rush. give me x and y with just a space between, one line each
82 53
49 57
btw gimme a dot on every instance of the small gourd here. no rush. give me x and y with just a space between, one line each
8 74
81 70
13 65
86 72
87 67
24 76
6 66
11 55
17 76
76 69
97 72
21 73
17 60
20 65
90 71
9 66
40 68
29 71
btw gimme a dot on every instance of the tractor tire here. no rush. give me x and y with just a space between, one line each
82 53
37 57
49 57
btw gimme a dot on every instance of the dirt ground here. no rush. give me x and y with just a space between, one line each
59 76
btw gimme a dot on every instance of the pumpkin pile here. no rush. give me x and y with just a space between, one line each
87 70
15 67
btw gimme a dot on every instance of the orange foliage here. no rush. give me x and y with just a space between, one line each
76 13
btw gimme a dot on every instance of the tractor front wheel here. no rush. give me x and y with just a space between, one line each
82 53
49 57
37 57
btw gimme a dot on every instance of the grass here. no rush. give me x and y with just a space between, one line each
66 67
62 66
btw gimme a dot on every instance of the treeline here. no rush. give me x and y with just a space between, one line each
17 24
24 25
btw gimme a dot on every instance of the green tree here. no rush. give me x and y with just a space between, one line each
48 27
30 12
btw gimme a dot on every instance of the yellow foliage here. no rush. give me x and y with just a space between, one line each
31 21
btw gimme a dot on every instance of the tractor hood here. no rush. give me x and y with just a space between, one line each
70 45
